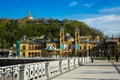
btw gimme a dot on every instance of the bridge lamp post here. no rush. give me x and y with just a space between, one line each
87 51
100 53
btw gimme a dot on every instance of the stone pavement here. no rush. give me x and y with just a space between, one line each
99 70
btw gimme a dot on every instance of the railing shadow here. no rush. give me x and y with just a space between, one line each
113 64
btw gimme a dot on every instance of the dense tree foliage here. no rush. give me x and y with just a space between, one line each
12 30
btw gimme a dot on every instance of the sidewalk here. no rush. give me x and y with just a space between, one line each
99 70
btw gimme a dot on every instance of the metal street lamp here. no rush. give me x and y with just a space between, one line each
87 48
87 51
100 53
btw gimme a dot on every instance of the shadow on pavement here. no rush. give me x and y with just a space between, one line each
116 67
93 79
104 64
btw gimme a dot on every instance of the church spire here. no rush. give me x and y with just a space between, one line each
29 15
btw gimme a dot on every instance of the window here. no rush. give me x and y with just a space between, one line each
39 47
61 34
24 47
32 47
29 54
69 46
85 47
38 54
35 54
29 47
61 40
23 54
80 47
32 54
76 40
53 45
36 47
77 34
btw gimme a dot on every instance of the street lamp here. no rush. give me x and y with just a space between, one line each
100 53
87 51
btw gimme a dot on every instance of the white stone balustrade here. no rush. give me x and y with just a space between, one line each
9 72
1 73
71 63
40 70
16 70
25 72
53 68
64 66
35 71
76 62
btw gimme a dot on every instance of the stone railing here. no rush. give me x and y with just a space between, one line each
41 70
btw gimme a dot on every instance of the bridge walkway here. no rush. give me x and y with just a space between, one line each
99 70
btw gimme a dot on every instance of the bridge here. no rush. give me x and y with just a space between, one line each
99 70
72 68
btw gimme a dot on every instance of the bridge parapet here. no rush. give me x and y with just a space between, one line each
40 70
10 72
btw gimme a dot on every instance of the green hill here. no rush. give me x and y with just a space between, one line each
12 30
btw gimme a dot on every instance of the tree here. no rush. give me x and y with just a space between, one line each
12 30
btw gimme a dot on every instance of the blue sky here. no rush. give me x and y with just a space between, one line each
99 14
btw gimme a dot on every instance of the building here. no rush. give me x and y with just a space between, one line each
109 46
35 47
68 45
78 44
29 17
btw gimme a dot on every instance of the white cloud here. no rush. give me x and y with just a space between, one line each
109 24
114 9
87 5
74 3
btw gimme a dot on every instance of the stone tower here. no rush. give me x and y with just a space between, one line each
61 41
77 39
61 35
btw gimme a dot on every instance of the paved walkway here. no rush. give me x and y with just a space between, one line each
99 70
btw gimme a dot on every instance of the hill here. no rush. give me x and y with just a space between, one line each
12 30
